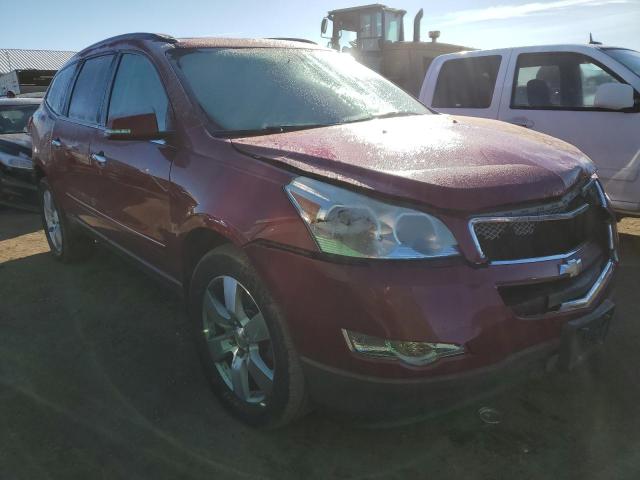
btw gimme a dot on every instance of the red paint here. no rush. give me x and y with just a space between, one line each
149 198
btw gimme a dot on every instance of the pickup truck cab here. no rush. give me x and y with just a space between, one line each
586 95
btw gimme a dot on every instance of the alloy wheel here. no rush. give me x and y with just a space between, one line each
238 340
52 221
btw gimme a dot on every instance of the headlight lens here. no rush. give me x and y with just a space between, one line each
412 353
349 224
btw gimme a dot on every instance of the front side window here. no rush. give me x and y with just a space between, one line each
57 93
557 80
89 89
14 118
392 26
467 82
258 88
138 90
371 25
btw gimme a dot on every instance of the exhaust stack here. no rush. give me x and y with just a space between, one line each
416 25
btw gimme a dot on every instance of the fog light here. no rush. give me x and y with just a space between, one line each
413 353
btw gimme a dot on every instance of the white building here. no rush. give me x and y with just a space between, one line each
26 71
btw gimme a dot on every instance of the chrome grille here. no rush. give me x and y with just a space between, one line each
542 230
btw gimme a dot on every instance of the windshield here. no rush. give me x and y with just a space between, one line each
260 88
14 118
629 58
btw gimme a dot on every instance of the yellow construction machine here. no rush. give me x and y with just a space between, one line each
374 35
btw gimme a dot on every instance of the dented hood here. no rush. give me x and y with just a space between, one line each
455 163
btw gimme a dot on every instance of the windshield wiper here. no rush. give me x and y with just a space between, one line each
381 115
395 114
269 129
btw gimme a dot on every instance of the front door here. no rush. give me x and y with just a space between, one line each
554 92
78 174
135 193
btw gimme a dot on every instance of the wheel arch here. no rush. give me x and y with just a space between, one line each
195 245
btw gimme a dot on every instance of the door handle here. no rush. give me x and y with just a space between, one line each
56 143
522 122
99 158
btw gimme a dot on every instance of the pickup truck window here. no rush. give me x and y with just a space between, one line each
629 58
557 80
467 82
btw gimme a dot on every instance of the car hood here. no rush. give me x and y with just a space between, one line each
454 163
13 143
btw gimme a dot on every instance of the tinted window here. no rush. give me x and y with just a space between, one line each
88 92
467 82
557 80
137 89
57 93
253 88
629 58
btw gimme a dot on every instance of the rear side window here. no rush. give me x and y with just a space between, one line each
557 80
89 89
137 90
57 93
467 82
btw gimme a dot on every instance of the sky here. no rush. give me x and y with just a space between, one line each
74 24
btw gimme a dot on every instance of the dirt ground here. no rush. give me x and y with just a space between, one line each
98 379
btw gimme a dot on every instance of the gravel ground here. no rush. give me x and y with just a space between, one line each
98 380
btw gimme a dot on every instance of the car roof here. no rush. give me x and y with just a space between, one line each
492 51
244 43
19 101
151 39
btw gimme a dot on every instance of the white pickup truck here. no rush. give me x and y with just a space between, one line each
587 95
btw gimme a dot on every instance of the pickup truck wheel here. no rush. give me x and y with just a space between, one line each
66 244
243 342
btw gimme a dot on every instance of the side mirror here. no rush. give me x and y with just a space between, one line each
134 127
323 25
614 96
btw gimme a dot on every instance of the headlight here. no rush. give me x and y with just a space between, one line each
413 353
349 224
21 161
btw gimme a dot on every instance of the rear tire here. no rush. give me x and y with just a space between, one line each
66 244
273 392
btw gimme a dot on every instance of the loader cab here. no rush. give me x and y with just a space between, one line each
364 30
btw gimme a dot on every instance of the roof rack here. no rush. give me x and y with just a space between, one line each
160 37
292 39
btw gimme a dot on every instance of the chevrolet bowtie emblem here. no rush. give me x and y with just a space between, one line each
571 267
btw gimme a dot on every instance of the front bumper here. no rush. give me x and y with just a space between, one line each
439 301
362 395
18 189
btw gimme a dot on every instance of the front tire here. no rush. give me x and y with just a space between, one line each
66 244
243 343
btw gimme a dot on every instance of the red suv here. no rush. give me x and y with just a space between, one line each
337 243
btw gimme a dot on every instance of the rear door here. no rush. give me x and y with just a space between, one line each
553 91
77 176
135 173
468 84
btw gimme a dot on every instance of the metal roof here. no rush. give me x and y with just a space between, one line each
19 59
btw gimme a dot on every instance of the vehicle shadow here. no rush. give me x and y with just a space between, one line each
98 374
630 249
14 223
